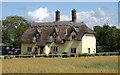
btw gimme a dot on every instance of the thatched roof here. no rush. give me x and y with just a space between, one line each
62 30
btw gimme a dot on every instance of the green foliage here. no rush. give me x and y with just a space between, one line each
27 54
13 28
108 38
72 55
65 54
100 49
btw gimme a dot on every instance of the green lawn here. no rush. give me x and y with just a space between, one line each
97 64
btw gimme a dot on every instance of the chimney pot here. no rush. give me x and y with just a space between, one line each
57 16
73 15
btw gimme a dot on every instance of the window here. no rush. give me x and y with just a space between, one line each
73 37
73 50
29 49
54 37
37 37
88 50
54 49
36 50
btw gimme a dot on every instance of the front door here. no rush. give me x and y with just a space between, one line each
41 49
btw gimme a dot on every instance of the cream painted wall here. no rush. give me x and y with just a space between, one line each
89 41
66 47
24 47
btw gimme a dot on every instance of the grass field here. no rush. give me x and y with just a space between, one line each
97 64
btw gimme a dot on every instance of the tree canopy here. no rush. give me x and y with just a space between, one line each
13 28
108 37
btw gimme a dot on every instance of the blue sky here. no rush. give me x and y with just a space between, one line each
94 10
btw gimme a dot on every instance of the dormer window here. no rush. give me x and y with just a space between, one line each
36 37
73 37
53 36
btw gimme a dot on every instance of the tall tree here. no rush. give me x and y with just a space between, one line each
108 37
13 28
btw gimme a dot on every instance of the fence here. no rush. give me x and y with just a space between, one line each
59 55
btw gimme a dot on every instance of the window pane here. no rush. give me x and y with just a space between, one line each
29 49
73 37
73 50
54 49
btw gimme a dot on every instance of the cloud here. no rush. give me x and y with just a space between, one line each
39 14
42 15
1 0
97 17
91 18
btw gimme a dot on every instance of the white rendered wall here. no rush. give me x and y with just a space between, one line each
88 41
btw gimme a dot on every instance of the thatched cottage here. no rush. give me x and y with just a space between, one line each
58 37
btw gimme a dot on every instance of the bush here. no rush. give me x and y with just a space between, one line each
45 56
72 55
27 54
65 54
119 52
104 54
34 53
100 49
50 54
56 55
85 54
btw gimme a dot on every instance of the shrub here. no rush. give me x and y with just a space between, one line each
72 55
104 54
119 52
50 54
34 53
45 56
96 54
27 53
100 49
56 55
85 54
65 54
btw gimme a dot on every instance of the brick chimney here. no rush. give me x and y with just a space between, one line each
73 15
57 16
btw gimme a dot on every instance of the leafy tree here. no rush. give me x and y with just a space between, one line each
13 28
108 37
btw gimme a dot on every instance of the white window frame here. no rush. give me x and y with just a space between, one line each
54 49
72 50
73 37
29 49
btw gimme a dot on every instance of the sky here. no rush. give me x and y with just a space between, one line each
91 13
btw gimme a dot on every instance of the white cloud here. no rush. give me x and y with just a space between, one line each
39 14
91 18
2 0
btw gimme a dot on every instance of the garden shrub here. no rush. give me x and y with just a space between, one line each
27 54
65 54
100 49
72 55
